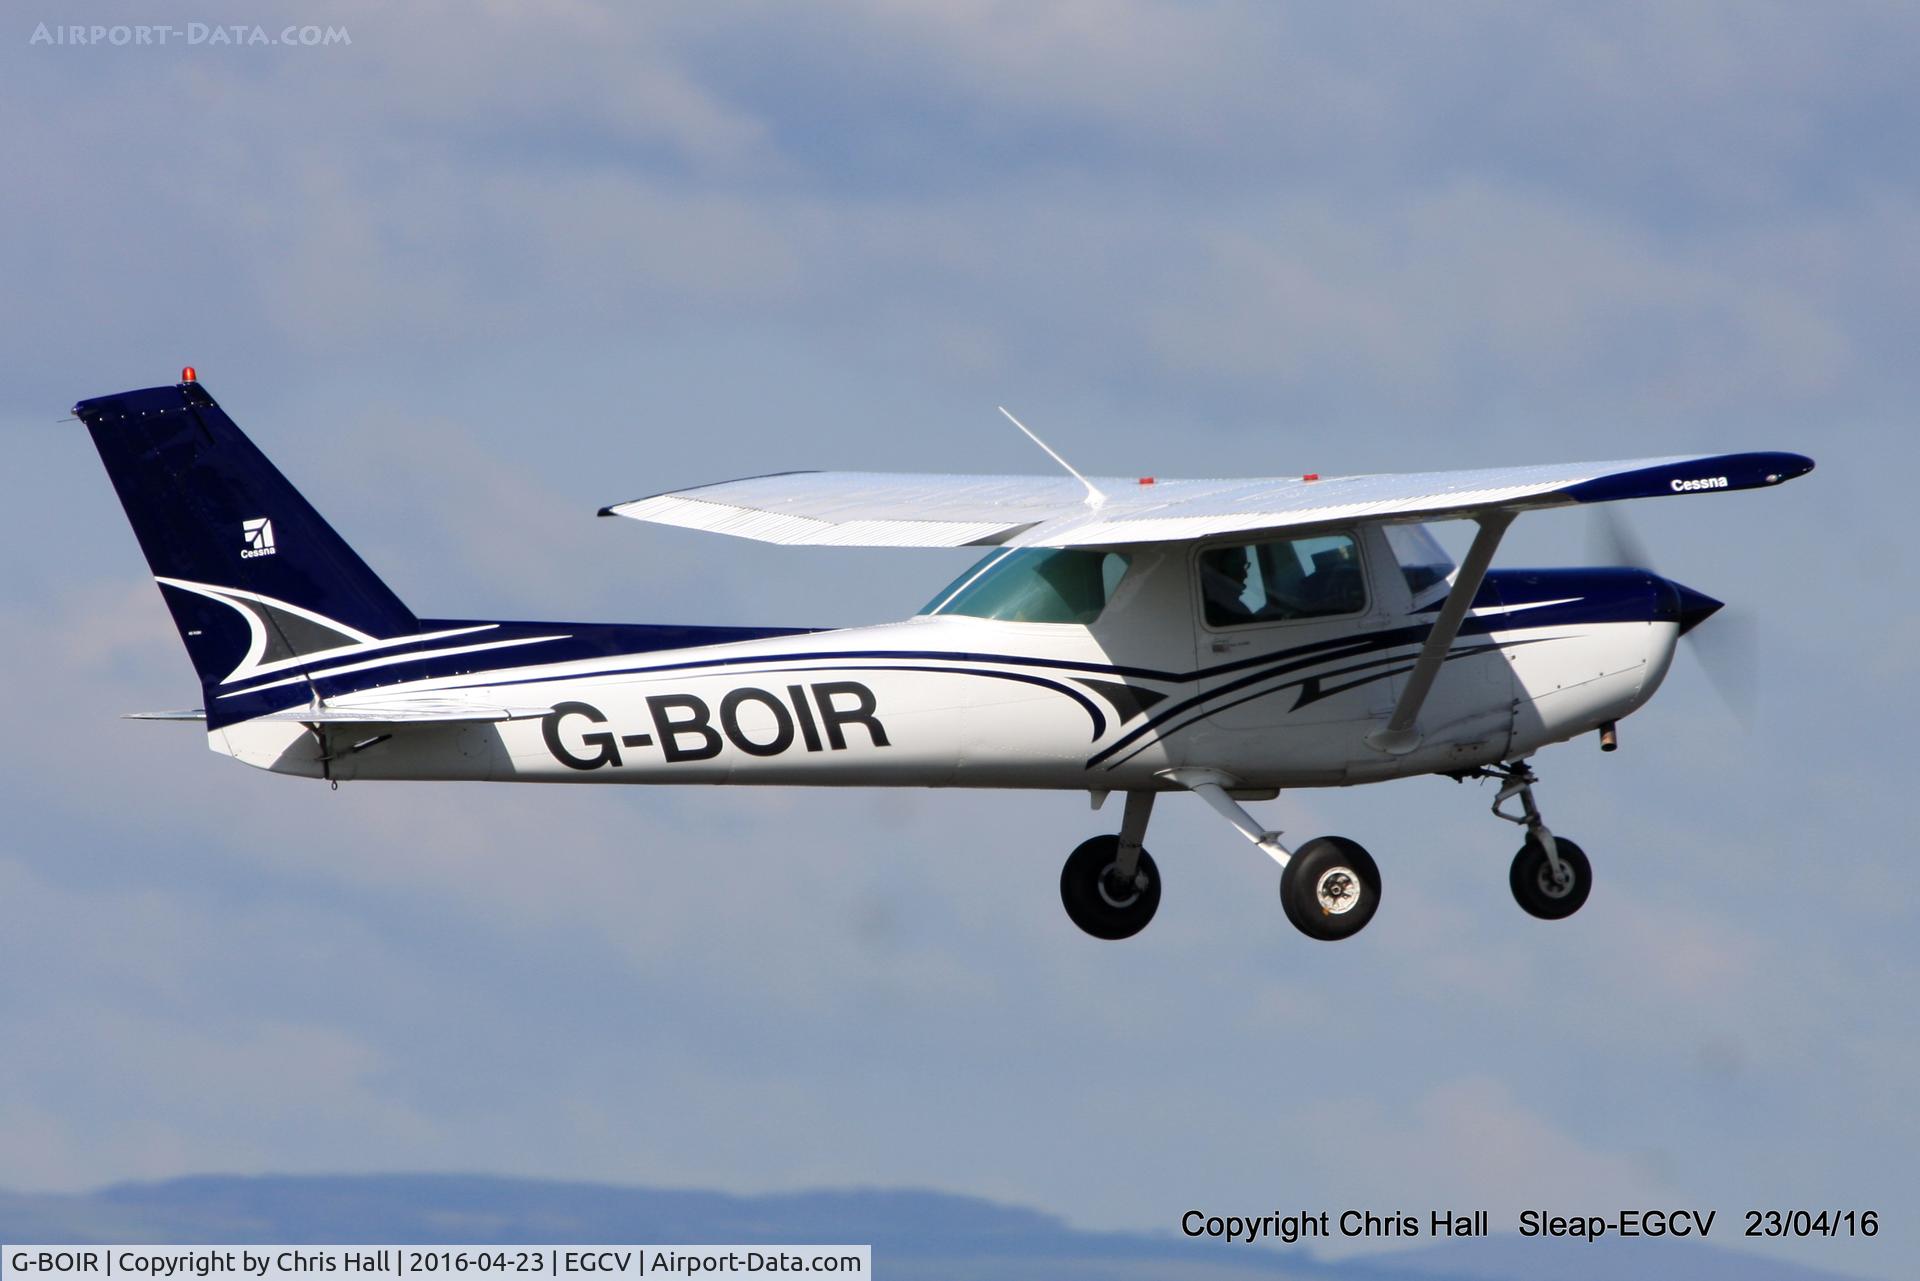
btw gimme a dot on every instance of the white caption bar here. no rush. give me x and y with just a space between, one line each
422 1262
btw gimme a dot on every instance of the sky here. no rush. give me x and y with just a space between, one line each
481 270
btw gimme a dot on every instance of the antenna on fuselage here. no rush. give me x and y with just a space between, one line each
1094 497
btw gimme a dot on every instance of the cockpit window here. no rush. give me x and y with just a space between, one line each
1422 560
1273 582
1035 585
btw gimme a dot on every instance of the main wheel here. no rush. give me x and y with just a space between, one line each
1330 888
1537 890
1095 897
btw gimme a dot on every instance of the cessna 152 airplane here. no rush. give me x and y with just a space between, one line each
1227 638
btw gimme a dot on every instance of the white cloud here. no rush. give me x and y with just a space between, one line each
1425 298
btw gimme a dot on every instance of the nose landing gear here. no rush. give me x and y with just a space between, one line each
1551 876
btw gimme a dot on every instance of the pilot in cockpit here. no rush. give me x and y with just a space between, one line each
1223 585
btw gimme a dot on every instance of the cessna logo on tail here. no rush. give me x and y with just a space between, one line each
259 535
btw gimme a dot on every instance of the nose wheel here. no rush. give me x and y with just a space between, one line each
1550 877
1550 893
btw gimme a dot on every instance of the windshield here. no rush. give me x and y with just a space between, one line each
1422 560
1035 585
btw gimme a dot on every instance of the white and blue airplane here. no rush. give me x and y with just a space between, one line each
1228 638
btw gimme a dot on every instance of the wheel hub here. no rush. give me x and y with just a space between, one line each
1555 884
1337 891
1116 891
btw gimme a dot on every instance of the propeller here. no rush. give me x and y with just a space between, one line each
1611 541
1728 649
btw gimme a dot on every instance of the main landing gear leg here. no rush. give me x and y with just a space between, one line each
1110 886
1329 887
1550 877
1211 787
1133 830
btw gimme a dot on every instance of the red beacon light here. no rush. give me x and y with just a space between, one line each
1312 475
1146 480
188 375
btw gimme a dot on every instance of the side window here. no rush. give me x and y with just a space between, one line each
1280 581
1423 561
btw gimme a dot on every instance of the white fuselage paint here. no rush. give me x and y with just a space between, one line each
952 701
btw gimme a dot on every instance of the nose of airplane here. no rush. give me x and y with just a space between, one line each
1695 607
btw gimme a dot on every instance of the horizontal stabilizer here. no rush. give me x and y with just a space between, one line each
410 712
879 509
417 711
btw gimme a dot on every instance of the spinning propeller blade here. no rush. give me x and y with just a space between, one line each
1610 541
1728 650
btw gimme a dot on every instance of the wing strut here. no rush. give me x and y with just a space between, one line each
1400 737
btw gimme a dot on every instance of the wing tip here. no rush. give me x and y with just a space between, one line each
1794 466
1760 469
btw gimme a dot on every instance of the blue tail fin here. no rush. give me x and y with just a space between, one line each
257 581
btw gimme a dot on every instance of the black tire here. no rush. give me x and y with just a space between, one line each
1533 885
1095 903
1330 888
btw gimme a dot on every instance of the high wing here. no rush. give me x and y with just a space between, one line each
880 509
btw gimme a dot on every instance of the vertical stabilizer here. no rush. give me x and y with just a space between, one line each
256 579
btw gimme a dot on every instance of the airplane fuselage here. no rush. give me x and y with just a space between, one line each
948 701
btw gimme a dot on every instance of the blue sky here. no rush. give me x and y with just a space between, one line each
478 273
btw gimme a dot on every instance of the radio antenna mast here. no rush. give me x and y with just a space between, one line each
1094 497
